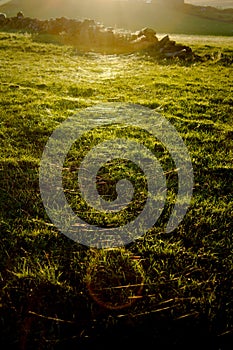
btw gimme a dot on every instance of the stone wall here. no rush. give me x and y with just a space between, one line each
92 34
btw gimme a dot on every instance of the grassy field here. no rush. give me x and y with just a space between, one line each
165 290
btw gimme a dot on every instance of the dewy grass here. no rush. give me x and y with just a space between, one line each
46 301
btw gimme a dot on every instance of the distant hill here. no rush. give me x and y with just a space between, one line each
127 14
216 3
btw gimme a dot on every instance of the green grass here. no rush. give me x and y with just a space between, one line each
45 277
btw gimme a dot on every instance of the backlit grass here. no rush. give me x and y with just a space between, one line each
45 277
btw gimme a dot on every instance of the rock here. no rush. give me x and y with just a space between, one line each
169 48
2 17
20 15
106 37
175 53
149 34
142 38
164 41
88 22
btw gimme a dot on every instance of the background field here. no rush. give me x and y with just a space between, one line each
132 16
47 280
216 3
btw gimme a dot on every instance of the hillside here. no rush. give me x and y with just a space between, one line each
216 3
125 15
